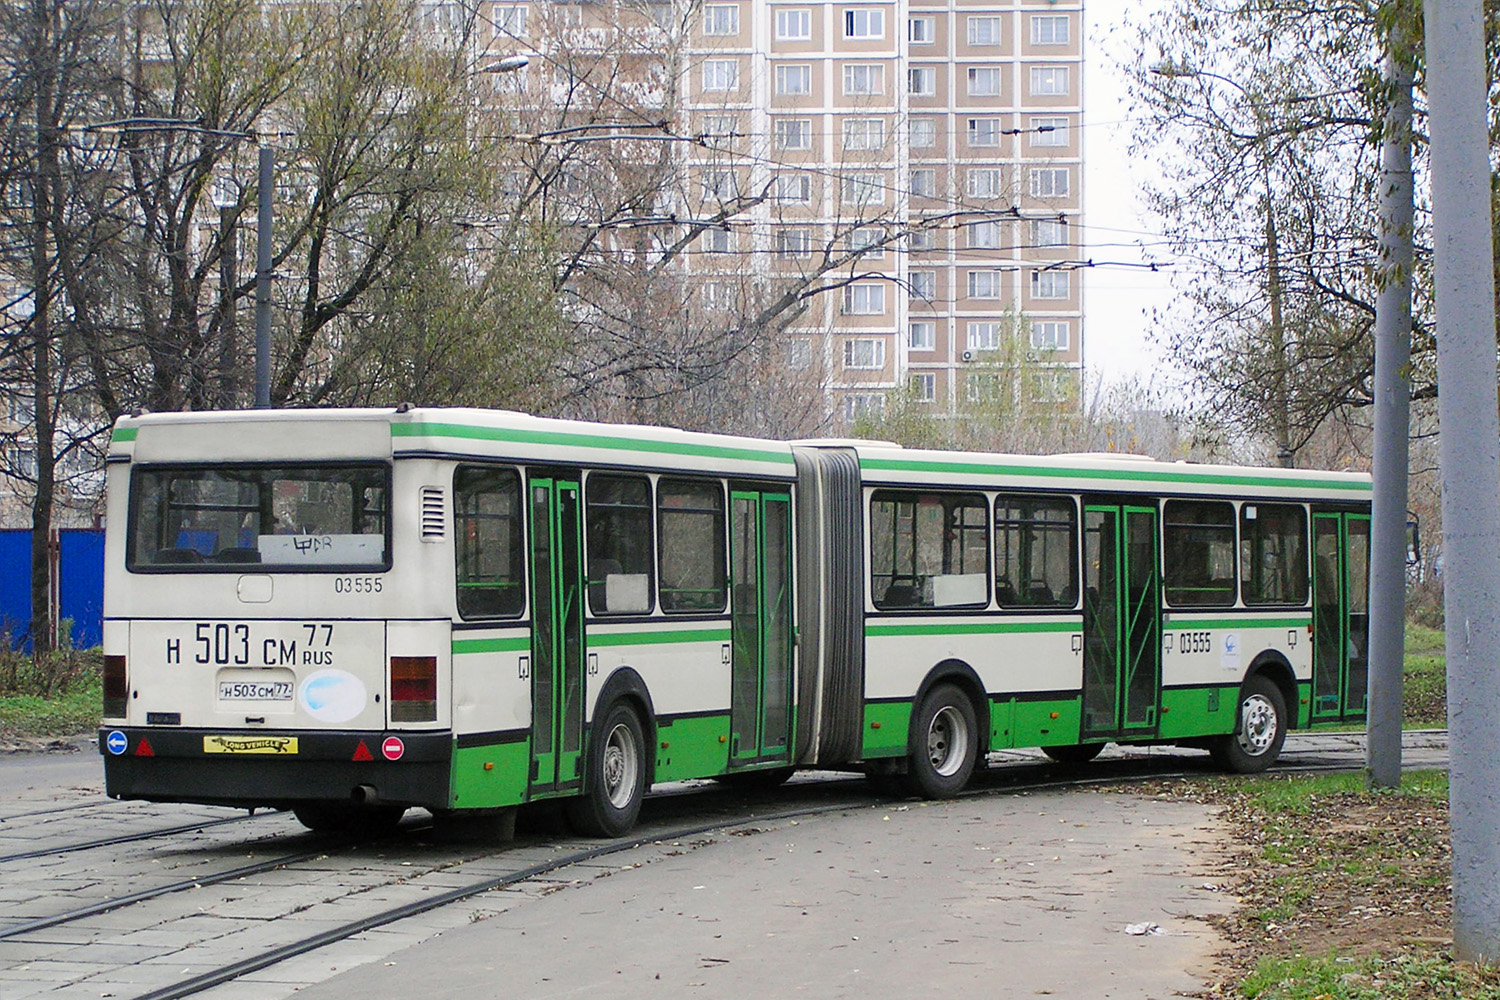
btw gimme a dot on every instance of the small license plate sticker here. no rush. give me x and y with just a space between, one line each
255 690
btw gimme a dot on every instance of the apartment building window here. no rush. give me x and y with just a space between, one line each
793 133
793 25
863 78
1049 233
983 337
1049 284
864 133
919 31
717 295
793 188
793 79
864 299
721 75
921 133
984 387
867 242
793 243
923 182
1049 29
984 81
864 22
863 189
920 240
717 240
984 131
721 19
721 185
984 235
923 284
921 81
984 31
510 22
1049 335
719 127
921 335
798 353
986 284
986 182
1049 81
864 353
1049 182
924 386
863 404
1049 131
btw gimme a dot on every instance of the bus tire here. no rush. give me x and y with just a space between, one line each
348 818
615 780
1259 729
1077 753
944 744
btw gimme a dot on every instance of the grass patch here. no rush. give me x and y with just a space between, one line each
58 695
68 714
1334 977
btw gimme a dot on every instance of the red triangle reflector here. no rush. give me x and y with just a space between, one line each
362 752
143 749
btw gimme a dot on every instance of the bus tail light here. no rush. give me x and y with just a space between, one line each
116 687
414 689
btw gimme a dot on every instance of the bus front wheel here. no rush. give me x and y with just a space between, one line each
944 743
616 779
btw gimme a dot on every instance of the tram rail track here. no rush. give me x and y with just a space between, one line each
1013 777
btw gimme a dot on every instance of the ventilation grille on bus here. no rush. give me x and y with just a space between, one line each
432 513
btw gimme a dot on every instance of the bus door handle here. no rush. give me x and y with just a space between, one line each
593 664
1078 642
524 667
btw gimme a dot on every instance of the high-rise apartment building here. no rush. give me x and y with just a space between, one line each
921 160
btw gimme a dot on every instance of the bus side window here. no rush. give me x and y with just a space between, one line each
488 546
1199 553
1036 551
690 533
620 547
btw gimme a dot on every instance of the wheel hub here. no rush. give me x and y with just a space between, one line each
1257 725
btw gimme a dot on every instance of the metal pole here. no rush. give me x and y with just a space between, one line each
263 283
1465 285
1392 405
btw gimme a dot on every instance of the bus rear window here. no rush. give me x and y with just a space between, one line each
283 518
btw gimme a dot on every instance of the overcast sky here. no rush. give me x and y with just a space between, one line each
1116 299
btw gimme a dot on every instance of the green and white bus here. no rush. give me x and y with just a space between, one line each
352 612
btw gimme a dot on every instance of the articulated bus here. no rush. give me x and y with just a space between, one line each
348 613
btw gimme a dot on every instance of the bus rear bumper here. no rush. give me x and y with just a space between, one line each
277 769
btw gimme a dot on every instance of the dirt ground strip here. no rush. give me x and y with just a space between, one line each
1360 876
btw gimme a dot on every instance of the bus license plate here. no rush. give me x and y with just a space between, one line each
255 690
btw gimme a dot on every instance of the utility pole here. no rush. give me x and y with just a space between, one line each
1392 418
1465 283
263 282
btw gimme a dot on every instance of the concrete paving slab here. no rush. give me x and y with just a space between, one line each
1031 892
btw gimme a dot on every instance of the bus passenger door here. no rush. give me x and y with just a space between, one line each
556 634
1121 621
1341 615
760 597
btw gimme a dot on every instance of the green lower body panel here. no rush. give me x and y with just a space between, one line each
692 748
1048 723
489 777
1199 711
886 724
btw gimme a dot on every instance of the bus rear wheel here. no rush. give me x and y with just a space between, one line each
1259 731
944 743
615 781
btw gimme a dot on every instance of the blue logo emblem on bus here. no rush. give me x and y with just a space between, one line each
116 743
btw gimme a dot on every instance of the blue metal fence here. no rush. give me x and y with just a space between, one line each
80 584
